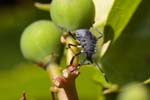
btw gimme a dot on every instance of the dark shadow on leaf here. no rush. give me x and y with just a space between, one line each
108 33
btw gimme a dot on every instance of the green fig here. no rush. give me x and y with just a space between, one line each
134 91
40 42
73 14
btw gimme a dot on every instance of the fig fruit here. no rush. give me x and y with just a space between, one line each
40 42
134 91
73 14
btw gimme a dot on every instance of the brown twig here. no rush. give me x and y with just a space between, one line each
63 85
23 97
64 82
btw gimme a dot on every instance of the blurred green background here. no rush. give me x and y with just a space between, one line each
17 74
126 60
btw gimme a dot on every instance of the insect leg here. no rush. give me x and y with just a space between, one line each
83 63
73 45
103 73
71 62
69 45
72 35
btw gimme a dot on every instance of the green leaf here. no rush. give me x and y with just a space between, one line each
102 8
128 57
120 15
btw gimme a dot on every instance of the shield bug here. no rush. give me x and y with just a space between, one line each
87 42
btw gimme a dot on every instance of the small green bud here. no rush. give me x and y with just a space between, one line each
134 91
40 42
73 14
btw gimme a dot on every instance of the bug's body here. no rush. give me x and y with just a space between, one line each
87 42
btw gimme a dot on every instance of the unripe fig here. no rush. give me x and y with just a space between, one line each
73 14
134 91
40 42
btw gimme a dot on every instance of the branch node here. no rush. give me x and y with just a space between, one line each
23 97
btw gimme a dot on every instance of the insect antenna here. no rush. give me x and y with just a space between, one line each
100 34
72 35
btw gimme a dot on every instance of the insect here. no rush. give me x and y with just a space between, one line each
87 42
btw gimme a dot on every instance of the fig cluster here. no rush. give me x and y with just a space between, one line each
40 41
